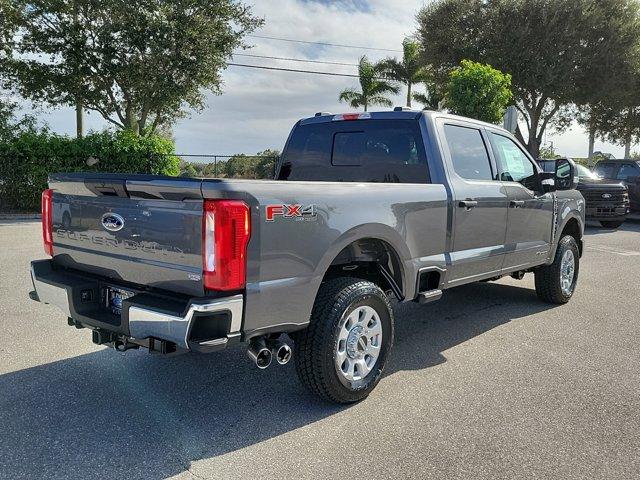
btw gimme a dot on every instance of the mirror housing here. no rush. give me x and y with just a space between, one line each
548 181
566 175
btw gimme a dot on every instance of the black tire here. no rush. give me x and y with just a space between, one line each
548 277
611 223
315 346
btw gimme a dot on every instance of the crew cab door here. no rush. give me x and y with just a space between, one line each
480 203
629 173
530 217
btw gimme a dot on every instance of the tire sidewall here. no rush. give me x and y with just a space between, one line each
368 295
567 243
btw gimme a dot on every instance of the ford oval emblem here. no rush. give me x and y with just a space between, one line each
606 195
112 222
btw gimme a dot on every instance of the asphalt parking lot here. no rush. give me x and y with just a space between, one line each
487 383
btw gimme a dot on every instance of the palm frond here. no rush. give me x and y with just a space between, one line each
380 100
352 97
380 87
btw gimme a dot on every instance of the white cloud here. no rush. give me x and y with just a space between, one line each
258 107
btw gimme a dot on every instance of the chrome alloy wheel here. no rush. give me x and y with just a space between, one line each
359 343
567 272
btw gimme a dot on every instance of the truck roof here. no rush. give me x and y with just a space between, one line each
398 114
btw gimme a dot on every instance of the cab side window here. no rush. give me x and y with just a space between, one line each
627 171
468 153
513 164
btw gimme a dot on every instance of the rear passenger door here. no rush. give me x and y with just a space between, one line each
530 217
480 203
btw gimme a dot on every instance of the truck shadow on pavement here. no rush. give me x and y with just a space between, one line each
105 414
594 228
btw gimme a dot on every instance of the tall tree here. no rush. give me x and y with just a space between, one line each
479 91
558 52
409 70
373 89
136 64
9 15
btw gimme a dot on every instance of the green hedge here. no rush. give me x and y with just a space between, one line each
27 160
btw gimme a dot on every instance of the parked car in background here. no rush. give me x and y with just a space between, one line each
626 171
607 201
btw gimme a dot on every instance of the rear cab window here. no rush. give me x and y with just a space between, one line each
388 151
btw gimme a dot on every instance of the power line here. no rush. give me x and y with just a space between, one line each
295 59
324 43
315 72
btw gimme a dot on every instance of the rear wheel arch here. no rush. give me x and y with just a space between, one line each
372 259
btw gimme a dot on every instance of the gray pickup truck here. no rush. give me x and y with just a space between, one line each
364 207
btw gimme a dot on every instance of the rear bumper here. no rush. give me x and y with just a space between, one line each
200 324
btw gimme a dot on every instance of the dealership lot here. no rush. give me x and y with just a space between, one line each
487 383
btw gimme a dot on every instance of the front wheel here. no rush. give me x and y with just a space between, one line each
341 354
611 223
556 283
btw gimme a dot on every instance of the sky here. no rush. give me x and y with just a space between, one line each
258 107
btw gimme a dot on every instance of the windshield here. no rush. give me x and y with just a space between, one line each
584 172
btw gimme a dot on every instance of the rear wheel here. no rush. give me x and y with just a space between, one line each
611 224
341 354
556 283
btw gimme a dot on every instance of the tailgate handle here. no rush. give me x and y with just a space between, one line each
106 188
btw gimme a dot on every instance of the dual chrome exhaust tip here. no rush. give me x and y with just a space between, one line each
262 352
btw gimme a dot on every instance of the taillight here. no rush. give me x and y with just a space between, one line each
226 228
47 221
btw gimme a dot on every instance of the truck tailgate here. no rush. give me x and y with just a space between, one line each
146 230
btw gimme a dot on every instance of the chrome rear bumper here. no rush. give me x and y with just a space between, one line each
145 323
141 317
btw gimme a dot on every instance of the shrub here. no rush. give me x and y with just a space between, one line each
27 159
479 91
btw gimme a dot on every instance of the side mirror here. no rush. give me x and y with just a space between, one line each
566 177
548 181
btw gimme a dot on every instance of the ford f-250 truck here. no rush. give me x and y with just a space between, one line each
363 207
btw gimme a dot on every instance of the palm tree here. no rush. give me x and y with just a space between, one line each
409 70
373 88
430 99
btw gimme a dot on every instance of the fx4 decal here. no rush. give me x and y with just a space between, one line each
295 211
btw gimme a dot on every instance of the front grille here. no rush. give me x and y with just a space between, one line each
594 197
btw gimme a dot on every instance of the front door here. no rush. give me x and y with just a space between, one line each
480 205
530 213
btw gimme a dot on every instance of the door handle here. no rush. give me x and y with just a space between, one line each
467 204
516 203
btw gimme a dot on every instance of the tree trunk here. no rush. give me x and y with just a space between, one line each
365 106
409 94
592 140
79 119
534 146
627 148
